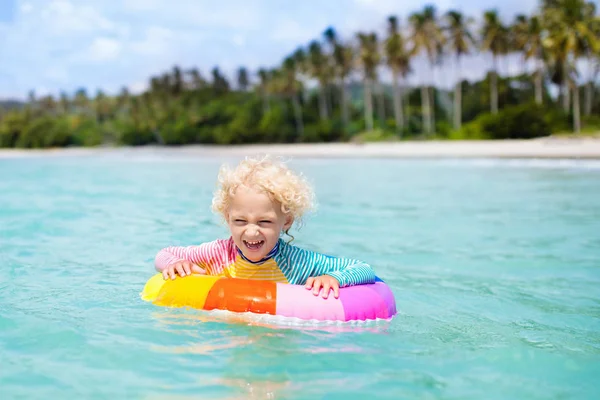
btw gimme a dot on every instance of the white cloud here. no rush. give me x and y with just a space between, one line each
104 49
26 7
238 40
290 30
66 44
155 42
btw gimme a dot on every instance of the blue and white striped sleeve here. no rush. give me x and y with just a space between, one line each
299 264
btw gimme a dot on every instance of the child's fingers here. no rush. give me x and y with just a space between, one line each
179 268
336 290
309 282
317 286
165 273
187 268
197 270
326 288
172 272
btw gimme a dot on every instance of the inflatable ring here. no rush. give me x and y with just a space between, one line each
205 292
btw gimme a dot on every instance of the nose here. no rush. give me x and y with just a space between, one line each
252 230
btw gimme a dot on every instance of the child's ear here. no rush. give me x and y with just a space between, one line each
289 220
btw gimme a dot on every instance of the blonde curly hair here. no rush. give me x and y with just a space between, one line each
268 174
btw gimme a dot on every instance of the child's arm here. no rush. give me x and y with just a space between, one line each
300 264
209 256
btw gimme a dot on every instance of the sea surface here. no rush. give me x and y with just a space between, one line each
495 266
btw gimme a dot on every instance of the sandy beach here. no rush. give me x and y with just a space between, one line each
557 148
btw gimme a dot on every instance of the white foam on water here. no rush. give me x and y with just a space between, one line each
282 322
542 163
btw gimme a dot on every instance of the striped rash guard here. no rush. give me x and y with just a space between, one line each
285 263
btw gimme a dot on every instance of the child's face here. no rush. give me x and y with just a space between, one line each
255 222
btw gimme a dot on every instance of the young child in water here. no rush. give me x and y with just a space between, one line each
260 200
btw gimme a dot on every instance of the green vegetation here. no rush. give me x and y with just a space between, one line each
182 107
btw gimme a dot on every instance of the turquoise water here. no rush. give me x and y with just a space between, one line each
495 266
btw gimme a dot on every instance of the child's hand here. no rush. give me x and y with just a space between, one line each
325 281
181 268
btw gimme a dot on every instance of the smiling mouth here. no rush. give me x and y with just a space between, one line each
254 244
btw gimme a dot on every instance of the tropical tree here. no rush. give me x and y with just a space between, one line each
533 48
343 56
318 67
263 88
291 88
242 79
517 36
427 38
460 41
398 59
369 59
570 38
495 40
197 81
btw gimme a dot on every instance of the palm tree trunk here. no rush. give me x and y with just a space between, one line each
344 105
398 114
566 94
380 105
368 105
329 96
425 108
589 88
322 103
494 87
298 115
576 110
538 86
458 97
432 108
406 103
266 105
458 105
432 100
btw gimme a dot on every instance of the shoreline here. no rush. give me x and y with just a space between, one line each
546 148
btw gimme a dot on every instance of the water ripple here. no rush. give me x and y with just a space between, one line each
494 265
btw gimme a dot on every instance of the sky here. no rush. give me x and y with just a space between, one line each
53 45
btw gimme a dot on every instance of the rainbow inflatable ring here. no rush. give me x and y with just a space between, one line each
204 292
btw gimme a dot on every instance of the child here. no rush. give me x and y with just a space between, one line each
260 200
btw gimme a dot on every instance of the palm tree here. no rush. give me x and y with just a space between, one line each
331 39
342 63
291 87
369 59
177 81
318 65
198 82
263 87
533 47
398 59
344 57
123 101
426 38
460 40
592 52
242 79
518 38
81 101
48 104
102 106
569 39
220 83
494 40
65 105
